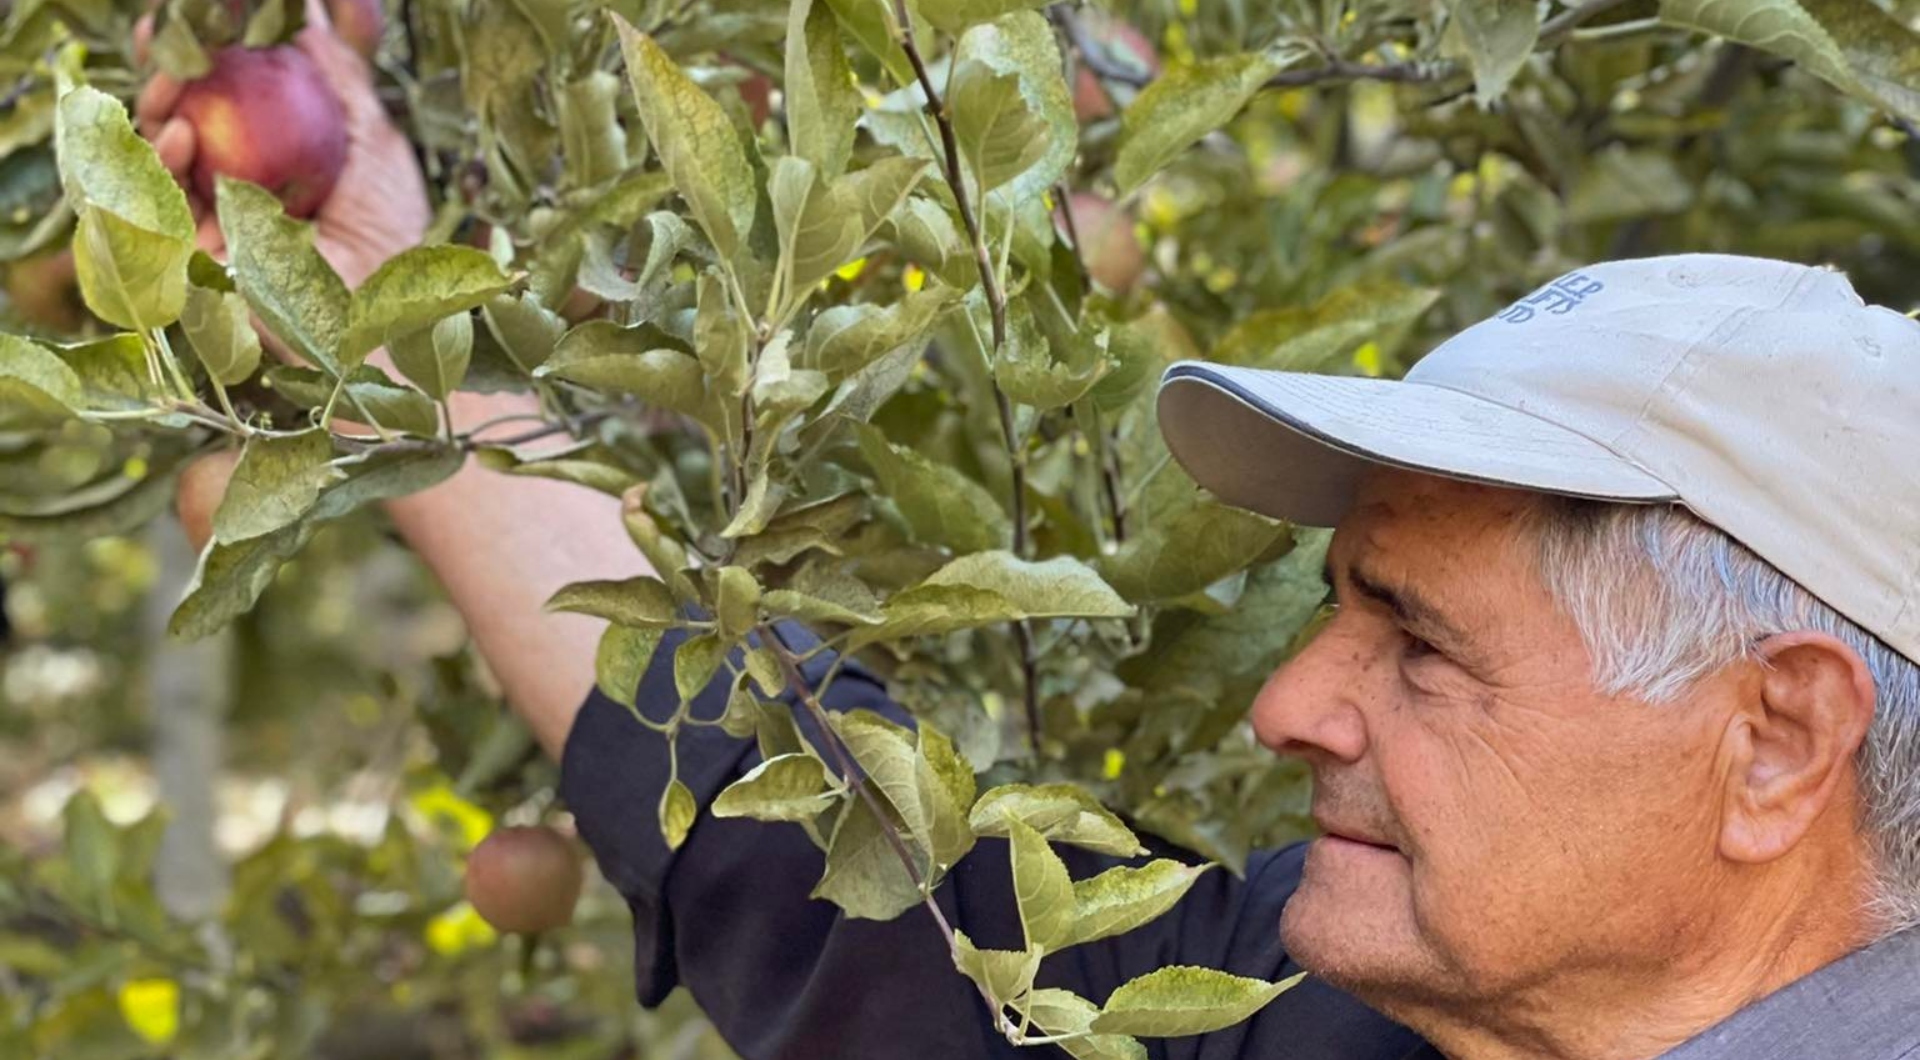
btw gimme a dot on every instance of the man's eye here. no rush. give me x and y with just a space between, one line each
1413 647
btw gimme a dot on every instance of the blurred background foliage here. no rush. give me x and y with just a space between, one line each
327 762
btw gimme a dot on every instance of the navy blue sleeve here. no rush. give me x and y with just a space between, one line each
787 977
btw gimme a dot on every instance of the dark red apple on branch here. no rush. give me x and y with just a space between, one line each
524 880
268 116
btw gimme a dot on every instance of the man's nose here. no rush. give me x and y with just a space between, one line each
1310 705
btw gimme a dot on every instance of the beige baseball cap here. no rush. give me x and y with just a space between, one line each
1766 397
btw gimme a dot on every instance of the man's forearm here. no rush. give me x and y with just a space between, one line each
501 544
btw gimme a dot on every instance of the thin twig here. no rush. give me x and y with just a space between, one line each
843 760
1337 70
997 307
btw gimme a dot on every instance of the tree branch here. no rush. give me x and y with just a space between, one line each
843 760
997 307
1338 70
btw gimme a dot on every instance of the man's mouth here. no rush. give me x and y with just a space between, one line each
1345 834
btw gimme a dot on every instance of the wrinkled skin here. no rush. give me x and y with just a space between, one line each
1518 865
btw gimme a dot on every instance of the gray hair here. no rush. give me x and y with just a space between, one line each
1662 599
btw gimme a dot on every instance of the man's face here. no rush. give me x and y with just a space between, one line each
1492 823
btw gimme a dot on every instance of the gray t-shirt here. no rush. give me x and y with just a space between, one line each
1864 1006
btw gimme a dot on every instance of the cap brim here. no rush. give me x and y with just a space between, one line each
1294 446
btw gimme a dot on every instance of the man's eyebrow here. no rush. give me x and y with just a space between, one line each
1407 605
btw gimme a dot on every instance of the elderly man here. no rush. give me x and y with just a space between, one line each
1615 735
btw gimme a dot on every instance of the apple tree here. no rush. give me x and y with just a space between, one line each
858 306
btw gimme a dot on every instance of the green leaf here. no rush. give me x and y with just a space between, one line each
738 604
276 482
864 877
1620 183
1034 371
998 136
779 390
220 327
1320 337
136 232
412 290
1064 813
1178 1001
113 376
947 786
1201 657
695 663
92 847
1500 34
622 658
436 358
789 604
695 141
941 505
1182 105
1124 898
37 388
1184 553
952 16
1004 974
230 577
790 787
640 602
606 356
992 61
871 23
677 813
525 329
847 338
396 406
817 236
128 275
1041 887
594 144
296 294
874 193
1855 45
929 236
823 106
722 336
988 588
1062 1012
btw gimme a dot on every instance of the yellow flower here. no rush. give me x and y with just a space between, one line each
152 1008
441 805
457 930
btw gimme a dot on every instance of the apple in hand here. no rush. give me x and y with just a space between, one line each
524 880
268 116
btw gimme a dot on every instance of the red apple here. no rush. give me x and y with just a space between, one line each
43 291
1123 46
1108 244
268 116
524 880
198 493
360 23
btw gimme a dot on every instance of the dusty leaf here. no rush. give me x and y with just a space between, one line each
276 482
1178 1001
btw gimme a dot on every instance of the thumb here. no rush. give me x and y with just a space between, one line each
198 495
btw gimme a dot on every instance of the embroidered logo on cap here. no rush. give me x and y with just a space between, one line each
1559 298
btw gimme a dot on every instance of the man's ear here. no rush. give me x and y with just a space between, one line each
1794 747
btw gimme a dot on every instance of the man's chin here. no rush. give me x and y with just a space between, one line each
1351 938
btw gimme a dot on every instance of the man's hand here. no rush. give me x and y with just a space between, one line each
379 205
501 545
